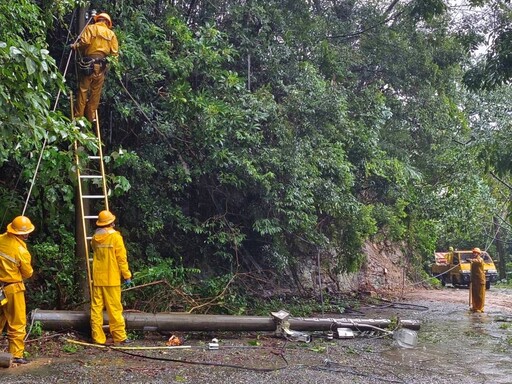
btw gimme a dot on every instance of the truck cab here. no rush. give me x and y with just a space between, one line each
453 267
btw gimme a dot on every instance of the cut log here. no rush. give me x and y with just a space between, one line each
5 359
171 322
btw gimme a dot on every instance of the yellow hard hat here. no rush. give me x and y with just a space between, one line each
477 250
21 225
104 16
105 218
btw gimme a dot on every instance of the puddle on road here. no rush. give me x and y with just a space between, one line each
458 346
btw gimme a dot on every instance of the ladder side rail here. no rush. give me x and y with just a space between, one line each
84 226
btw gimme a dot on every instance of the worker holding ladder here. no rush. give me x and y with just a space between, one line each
109 266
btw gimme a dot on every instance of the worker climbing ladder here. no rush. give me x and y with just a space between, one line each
92 191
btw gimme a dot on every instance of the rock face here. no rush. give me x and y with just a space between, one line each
383 272
384 269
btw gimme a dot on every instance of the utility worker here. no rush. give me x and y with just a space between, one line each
96 43
15 265
109 265
477 281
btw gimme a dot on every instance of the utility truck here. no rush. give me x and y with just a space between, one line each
453 267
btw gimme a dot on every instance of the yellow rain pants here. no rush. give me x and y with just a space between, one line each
89 93
13 314
110 297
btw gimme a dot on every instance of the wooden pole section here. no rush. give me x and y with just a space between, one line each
141 321
5 359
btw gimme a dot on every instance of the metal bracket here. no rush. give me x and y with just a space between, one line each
283 328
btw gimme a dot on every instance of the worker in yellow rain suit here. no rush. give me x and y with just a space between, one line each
477 281
109 265
15 265
96 43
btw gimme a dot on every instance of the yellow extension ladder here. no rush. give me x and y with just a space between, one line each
92 191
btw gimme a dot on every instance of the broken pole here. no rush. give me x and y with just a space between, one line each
170 322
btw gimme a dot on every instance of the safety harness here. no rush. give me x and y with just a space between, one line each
86 64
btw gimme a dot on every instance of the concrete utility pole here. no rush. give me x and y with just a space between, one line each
185 322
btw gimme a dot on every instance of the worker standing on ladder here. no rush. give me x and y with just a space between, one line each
96 43
109 265
15 265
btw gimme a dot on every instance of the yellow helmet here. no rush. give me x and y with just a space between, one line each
105 218
104 16
21 225
477 250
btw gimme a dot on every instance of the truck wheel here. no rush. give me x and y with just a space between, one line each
487 285
443 281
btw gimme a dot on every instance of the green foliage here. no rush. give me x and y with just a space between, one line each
70 348
301 306
36 329
252 135
55 281
164 269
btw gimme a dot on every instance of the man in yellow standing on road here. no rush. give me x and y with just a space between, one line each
477 281
109 265
96 43
15 265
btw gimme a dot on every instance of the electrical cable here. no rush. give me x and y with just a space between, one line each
207 363
125 350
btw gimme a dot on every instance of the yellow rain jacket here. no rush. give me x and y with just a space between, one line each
110 262
108 266
98 40
15 265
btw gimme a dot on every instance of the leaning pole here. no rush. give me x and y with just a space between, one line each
170 322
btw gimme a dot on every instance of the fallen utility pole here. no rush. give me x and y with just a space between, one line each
172 322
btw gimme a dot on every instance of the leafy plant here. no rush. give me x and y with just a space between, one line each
70 348
36 329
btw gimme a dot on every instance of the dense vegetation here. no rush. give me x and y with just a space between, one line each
244 138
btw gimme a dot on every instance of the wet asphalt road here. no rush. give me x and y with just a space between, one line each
453 346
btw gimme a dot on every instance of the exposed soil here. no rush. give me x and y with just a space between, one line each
448 329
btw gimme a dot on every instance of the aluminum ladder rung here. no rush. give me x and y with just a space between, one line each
91 217
94 157
93 196
91 177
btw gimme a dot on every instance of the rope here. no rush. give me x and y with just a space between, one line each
125 348
32 316
427 280
53 110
